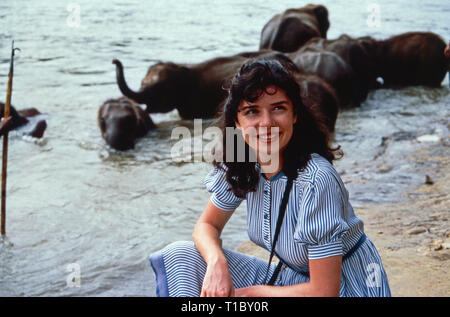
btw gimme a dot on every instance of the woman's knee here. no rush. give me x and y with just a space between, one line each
181 249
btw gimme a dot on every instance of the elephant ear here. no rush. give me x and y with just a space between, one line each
321 13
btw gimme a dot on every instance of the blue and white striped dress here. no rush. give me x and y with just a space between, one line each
319 223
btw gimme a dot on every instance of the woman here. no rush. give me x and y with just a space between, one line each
321 243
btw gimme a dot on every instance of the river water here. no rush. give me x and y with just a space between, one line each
77 208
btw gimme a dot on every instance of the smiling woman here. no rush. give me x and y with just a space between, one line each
267 126
322 247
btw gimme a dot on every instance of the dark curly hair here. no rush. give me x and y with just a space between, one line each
309 135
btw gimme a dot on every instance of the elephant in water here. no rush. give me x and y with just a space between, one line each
121 122
195 90
288 31
359 55
413 58
19 119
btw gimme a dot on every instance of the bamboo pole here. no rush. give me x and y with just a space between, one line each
5 141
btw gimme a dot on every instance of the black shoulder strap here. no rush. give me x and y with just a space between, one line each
281 213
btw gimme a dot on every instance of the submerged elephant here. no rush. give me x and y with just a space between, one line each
413 58
288 31
19 119
359 55
122 122
195 90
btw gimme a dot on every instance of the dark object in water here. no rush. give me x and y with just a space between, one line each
122 122
19 118
288 31
413 58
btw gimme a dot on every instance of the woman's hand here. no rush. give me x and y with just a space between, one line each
217 281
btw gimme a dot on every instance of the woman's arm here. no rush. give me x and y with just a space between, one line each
217 281
325 281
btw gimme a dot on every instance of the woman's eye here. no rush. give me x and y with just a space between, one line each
251 112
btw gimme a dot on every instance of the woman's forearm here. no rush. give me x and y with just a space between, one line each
217 280
207 241
325 280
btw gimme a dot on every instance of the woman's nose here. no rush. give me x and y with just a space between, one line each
266 119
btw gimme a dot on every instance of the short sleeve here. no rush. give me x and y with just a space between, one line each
222 196
321 222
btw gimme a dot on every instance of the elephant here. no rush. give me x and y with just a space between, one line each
411 59
195 90
122 122
330 67
359 55
288 31
19 119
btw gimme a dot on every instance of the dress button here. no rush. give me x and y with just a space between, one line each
265 191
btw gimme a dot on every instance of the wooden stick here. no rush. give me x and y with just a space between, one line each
5 140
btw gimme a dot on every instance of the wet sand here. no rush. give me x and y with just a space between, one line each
411 235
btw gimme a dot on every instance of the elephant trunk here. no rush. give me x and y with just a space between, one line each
123 86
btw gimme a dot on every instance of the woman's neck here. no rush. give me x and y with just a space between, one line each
270 165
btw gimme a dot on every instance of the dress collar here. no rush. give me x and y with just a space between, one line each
276 176
273 178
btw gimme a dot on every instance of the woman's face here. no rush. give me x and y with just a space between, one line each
267 123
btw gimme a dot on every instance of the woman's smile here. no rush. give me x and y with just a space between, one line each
268 138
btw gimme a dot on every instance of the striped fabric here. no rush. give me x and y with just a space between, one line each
319 223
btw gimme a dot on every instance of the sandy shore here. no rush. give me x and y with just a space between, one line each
412 236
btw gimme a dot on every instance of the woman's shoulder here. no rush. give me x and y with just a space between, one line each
217 171
317 169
